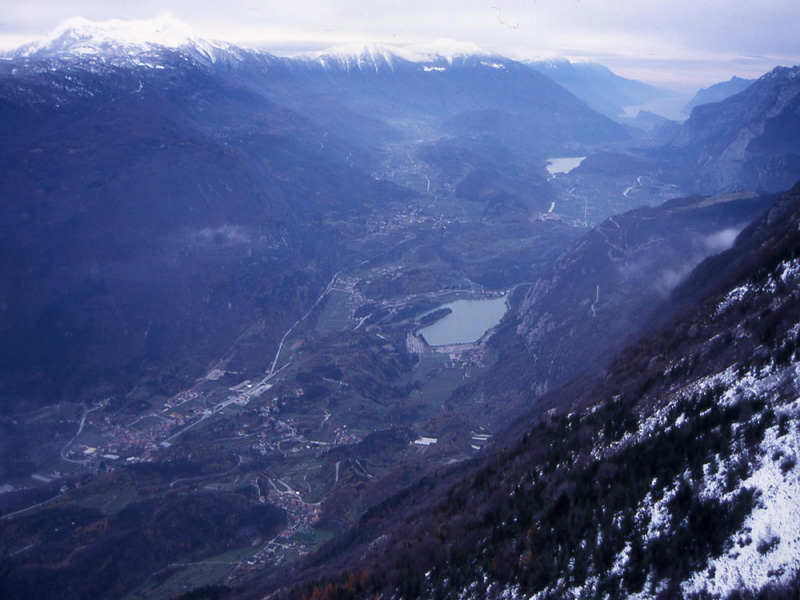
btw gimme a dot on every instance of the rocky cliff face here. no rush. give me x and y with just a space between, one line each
604 288
749 140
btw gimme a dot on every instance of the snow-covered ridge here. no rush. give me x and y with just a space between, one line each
123 40
372 56
121 37
375 55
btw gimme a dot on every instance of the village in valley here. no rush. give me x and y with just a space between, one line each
299 412
320 429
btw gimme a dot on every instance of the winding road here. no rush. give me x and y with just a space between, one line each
75 437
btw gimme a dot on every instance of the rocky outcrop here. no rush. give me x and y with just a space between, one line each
605 287
749 140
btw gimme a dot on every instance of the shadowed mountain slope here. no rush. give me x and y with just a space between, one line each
747 141
673 477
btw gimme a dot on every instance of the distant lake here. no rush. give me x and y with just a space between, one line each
563 165
469 320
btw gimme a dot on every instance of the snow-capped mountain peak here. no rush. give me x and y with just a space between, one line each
360 56
119 37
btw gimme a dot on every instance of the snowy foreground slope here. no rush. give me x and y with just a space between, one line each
674 477
761 383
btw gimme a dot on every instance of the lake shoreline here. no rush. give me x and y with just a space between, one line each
467 322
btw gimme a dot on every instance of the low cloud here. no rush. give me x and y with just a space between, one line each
670 278
720 241
226 234
709 245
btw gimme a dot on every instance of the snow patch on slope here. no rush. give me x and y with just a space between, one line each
373 55
788 272
767 549
359 56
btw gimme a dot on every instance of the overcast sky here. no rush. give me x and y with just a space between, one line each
690 42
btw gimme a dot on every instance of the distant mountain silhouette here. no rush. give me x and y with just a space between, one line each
718 92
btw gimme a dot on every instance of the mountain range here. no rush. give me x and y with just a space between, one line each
598 86
209 172
217 264
718 92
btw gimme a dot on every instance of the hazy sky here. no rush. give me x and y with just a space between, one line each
694 42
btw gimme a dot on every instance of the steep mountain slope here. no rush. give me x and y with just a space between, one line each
747 141
598 86
155 209
674 477
385 84
718 92
604 287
